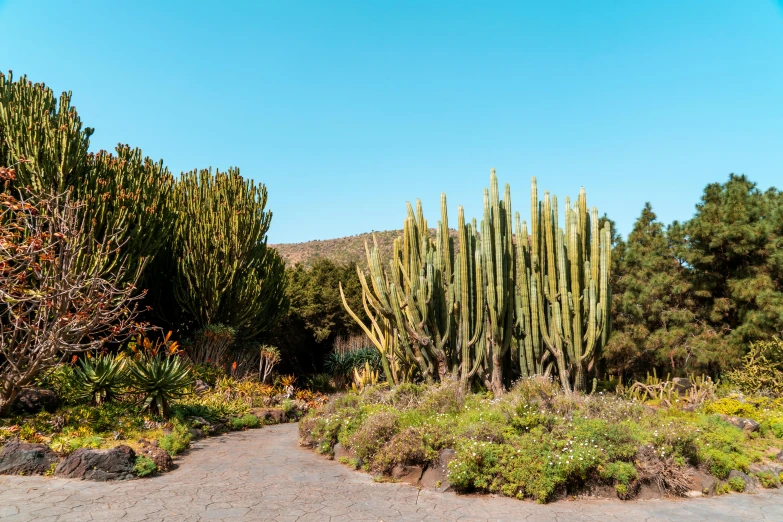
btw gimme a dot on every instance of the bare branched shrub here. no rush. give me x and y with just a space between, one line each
269 357
62 290
666 473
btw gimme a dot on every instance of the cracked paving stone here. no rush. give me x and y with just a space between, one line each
264 475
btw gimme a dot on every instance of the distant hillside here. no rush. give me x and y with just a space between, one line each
340 250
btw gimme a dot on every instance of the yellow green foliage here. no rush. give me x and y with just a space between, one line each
731 406
535 441
761 370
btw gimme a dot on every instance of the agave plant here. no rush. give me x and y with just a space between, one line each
99 379
159 379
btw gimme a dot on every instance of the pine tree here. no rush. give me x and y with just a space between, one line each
732 248
655 320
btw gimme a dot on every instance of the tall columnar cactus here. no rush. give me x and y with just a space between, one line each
497 260
225 273
537 299
470 349
424 299
567 302
46 142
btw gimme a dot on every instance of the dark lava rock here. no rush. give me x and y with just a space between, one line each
270 415
18 458
682 384
409 474
33 400
159 456
200 387
89 464
341 451
740 422
436 476
750 484
702 483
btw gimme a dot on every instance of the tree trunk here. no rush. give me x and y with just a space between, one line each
497 375
580 379
7 396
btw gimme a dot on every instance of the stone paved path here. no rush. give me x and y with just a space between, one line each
264 475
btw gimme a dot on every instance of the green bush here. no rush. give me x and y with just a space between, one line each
373 434
777 429
722 447
723 488
412 446
737 484
60 380
177 441
287 406
319 382
208 372
768 479
65 444
144 466
341 364
534 441
245 421
620 472
730 406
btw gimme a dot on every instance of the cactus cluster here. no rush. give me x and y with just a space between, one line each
48 146
225 273
201 238
501 302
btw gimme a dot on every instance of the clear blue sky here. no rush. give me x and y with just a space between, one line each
346 110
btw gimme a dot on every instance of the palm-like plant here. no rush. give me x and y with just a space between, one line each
99 379
159 379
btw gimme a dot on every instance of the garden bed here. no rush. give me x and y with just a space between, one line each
122 436
537 442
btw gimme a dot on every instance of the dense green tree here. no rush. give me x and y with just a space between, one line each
316 316
315 297
691 297
225 273
655 311
732 248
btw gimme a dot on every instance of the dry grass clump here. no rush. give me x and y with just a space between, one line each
406 396
611 408
670 477
486 433
374 433
411 446
447 397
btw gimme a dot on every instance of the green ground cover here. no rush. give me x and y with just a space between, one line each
537 442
